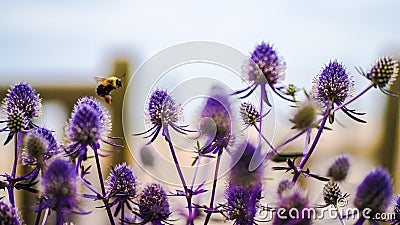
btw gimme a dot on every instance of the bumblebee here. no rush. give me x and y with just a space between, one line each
106 86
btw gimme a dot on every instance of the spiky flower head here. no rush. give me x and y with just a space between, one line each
305 115
333 85
153 203
58 184
293 200
121 183
266 65
332 193
384 72
339 168
283 186
241 204
89 122
24 98
17 121
39 145
249 114
162 109
9 215
374 192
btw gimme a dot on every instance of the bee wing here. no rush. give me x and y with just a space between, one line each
99 79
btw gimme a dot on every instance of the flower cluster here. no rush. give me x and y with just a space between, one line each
9 215
153 204
121 183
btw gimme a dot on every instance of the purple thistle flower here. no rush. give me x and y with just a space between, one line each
153 204
21 104
241 205
39 145
383 73
339 168
219 130
9 215
121 184
265 67
22 97
58 185
266 64
374 192
333 85
397 206
162 112
293 200
89 124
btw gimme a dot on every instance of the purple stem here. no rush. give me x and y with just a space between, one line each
10 188
265 139
214 188
291 139
39 213
360 221
103 191
353 99
195 172
59 220
314 144
123 213
182 178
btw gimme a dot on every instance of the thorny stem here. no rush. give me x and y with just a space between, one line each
103 191
214 186
182 178
314 144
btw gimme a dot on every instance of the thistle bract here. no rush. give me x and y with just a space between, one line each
332 193
374 192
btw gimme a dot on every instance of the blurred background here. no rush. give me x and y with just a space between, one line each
59 47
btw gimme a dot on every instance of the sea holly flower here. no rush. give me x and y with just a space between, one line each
293 200
250 115
39 145
59 186
339 169
283 186
9 215
265 67
244 188
383 73
153 204
305 115
241 204
218 127
89 124
332 86
21 104
121 185
375 193
162 112
332 193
